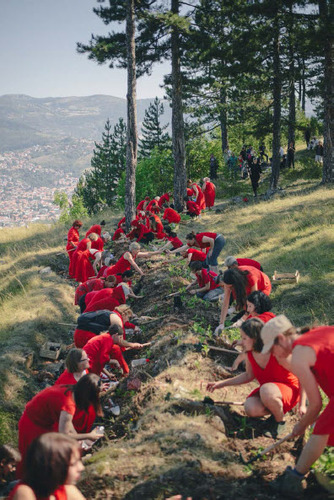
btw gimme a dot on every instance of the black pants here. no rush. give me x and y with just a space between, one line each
82 303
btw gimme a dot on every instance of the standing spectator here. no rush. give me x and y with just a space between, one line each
232 165
209 190
291 155
319 153
281 152
213 166
307 136
254 169
262 151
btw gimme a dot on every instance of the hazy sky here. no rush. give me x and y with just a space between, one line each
38 52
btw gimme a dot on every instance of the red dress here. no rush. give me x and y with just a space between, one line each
171 216
159 232
42 414
82 268
58 494
209 194
81 337
193 208
163 199
98 244
82 420
72 237
100 349
286 381
106 299
88 286
321 339
255 276
120 267
249 262
117 234
121 222
94 229
200 200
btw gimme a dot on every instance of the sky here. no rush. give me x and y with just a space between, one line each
38 52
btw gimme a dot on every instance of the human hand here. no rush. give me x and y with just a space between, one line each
212 386
136 345
301 409
192 292
219 329
95 434
298 429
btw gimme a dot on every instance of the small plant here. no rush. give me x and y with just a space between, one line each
205 350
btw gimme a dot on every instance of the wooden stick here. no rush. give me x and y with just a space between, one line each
222 349
236 403
67 324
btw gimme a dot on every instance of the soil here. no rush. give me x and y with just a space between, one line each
160 445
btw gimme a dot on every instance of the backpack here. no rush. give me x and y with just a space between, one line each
95 321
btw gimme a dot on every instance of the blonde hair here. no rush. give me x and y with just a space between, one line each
93 236
123 309
134 246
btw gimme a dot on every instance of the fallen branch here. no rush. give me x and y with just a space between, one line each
214 348
266 450
199 407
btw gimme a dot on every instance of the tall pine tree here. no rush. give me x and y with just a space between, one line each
153 135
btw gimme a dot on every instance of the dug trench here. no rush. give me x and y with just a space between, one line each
167 439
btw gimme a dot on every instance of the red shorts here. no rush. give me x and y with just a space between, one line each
325 423
290 395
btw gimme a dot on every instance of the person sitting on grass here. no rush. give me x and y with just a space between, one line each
279 388
51 469
312 360
208 289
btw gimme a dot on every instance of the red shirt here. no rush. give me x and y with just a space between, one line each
199 238
121 265
88 286
193 208
249 262
44 409
257 277
207 277
321 339
175 241
171 216
107 299
196 255
163 199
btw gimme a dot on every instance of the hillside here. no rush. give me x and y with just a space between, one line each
162 444
27 121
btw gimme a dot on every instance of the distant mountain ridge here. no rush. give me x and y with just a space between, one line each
27 121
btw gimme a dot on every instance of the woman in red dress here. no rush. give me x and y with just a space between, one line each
128 260
312 360
82 267
77 365
279 389
101 348
53 409
157 227
93 285
72 243
200 200
51 470
171 215
240 282
107 299
209 190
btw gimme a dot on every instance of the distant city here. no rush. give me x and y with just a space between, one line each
27 188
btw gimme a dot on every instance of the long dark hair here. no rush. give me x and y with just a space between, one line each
261 301
168 230
87 392
73 359
47 462
252 328
239 281
191 236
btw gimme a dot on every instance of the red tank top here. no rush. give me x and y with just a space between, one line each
59 493
120 267
321 340
273 372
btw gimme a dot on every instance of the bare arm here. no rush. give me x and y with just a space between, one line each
129 258
225 304
66 427
243 378
72 492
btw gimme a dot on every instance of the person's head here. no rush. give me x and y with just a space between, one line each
93 236
189 182
110 281
77 224
230 261
196 267
86 392
103 223
250 332
53 459
127 275
278 335
134 248
320 143
106 236
206 179
186 198
190 238
258 302
9 458
153 223
116 330
125 311
76 361
236 279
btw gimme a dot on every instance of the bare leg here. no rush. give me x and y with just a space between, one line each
311 452
271 398
254 407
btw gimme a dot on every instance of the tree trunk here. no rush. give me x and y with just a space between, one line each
132 138
303 88
223 119
292 95
326 10
179 148
277 84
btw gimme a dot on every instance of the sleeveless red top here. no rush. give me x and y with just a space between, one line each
273 372
120 267
321 340
59 494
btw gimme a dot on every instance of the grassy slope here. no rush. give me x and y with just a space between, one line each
289 232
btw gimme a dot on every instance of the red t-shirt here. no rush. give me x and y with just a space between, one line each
107 299
117 234
207 277
256 276
44 409
175 241
193 208
171 216
98 350
199 238
249 262
196 255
